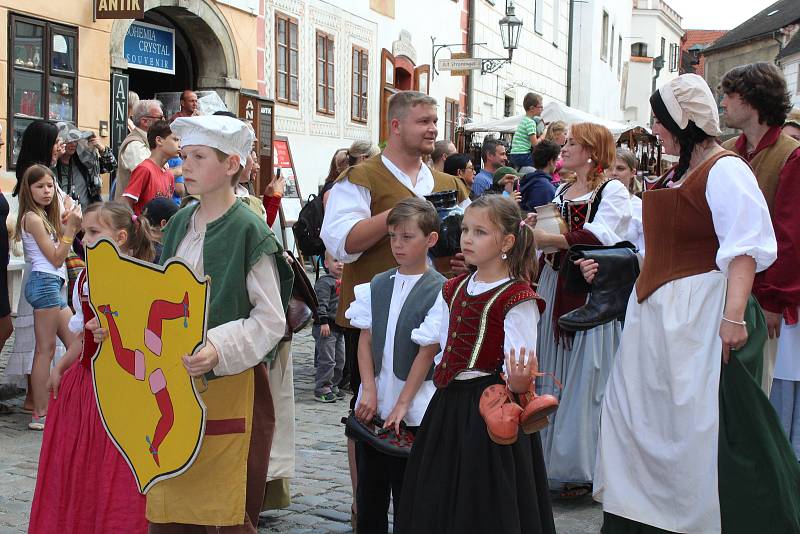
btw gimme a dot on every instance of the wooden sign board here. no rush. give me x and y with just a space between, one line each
118 9
292 198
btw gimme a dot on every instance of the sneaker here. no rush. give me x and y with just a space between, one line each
338 392
37 423
325 397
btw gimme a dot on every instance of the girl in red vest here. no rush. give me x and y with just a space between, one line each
84 483
458 478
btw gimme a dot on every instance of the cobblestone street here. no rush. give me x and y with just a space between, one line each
320 491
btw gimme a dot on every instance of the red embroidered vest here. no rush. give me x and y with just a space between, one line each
476 334
89 345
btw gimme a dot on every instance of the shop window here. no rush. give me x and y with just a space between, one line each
358 110
286 53
450 118
42 76
325 77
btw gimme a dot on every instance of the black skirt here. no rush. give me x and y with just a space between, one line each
459 481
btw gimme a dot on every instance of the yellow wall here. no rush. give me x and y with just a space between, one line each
244 27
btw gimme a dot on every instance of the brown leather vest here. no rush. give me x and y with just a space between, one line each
679 233
385 191
768 164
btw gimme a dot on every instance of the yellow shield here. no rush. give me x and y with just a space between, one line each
148 403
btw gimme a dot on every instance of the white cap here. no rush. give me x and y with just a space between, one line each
226 134
688 97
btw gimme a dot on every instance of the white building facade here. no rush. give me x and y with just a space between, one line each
601 49
539 64
656 32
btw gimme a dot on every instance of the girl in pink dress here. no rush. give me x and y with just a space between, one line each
84 484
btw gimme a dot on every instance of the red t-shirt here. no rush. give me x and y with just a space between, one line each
148 181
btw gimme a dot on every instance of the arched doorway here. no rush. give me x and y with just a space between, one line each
205 54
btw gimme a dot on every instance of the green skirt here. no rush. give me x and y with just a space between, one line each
759 476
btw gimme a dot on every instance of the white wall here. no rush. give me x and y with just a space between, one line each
597 82
791 70
539 64
651 22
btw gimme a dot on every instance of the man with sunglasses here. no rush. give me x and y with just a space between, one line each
135 148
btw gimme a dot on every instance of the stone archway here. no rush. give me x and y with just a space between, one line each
210 37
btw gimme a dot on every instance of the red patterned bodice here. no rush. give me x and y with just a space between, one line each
476 333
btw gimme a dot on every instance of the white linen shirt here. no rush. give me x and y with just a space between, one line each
348 204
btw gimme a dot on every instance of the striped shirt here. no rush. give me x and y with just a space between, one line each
521 143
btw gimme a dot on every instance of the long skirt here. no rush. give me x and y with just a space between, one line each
84 484
459 481
570 441
688 444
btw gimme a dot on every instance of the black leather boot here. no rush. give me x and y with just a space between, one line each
618 268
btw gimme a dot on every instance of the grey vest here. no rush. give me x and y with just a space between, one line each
412 314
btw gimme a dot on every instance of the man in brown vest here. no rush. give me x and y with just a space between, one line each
756 101
135 148
354 229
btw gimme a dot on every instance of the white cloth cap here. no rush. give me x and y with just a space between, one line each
227 134
688 97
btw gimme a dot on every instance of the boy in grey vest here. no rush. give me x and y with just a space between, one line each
328 336
399 325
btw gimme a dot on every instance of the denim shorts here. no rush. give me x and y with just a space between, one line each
43 291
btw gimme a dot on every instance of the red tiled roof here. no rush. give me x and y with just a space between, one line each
701 37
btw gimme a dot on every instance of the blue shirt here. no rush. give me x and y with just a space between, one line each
483 181
172 163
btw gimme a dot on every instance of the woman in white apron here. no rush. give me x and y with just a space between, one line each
688 441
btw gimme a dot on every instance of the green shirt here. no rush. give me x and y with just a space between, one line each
521 143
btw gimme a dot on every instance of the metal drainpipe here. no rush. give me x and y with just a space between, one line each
470 53
569 51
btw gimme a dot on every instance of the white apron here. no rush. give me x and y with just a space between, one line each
281 384
659 428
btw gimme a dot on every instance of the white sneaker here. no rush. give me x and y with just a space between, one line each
37 423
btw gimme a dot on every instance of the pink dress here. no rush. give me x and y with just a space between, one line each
84 485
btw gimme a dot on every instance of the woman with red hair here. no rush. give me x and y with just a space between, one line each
597 211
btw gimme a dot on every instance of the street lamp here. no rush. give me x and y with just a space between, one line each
510 30
658 64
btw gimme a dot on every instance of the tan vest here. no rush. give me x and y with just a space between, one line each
124 174
385 191
768 164
679 233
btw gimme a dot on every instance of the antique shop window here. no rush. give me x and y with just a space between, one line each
286 53
325 59
358 111
42 75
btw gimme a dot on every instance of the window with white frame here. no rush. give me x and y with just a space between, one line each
611 55
538 16
604 36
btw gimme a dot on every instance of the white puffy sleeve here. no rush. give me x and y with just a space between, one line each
521 325
610 224
430 331
76 322
360 311
348 204
635 232
741 217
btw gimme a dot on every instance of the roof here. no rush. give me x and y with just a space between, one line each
701 37
773 18
791 48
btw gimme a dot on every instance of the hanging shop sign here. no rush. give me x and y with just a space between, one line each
119 110
150 47
118 9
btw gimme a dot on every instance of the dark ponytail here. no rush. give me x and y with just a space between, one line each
688 139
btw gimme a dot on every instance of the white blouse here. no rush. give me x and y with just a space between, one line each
635 233
76 322
520 325
348 204
741 217
387 384
610 224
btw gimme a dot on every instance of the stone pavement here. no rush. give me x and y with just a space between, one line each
320 491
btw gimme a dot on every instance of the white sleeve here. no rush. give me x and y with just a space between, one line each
521 325
76 322
429 332
348 204
360 311
740 214
134 154
243 343
444 327
610 223
635 232
465 203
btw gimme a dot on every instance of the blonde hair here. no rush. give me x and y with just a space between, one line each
50 215
555 128
400 103
599 142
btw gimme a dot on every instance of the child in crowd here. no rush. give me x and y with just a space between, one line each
251 286
176 168
46 243
328 336
529 132
84 483
395 368
457 478
149 179
537 187
158 212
